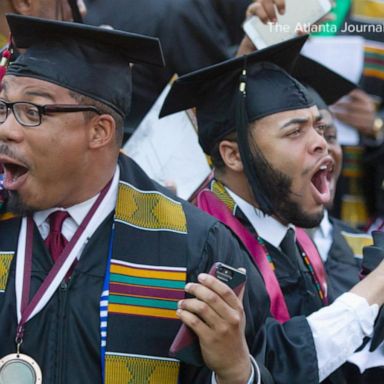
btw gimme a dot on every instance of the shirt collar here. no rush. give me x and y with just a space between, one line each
325 226
267 227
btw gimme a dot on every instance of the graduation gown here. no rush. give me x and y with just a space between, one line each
64 338
295 280
342 265
299 292
343 270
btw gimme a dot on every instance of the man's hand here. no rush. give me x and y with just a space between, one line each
82 7
265 10
217 317
358 110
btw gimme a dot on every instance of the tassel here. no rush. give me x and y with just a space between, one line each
246 148
5 59
6 56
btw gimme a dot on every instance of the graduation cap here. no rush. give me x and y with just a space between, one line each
92 61
324 85
214 90
230 95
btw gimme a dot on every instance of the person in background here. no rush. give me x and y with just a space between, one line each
193 34
49 9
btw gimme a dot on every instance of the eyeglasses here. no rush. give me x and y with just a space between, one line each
30 114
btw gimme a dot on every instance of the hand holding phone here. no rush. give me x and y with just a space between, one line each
186 344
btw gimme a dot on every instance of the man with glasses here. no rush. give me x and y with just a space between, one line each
94 263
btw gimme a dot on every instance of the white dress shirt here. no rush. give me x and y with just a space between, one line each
78 212
338 329
323 237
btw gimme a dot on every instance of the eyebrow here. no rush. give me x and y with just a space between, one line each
5 86
40 94
300 120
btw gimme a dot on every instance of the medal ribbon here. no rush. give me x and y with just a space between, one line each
26 310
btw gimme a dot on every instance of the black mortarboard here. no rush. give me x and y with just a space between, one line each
324 85
230 95
90 60
214 90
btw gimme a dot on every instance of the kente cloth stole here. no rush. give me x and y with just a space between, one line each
145 279
217 202
374 59
147 275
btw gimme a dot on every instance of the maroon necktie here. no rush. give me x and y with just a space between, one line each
55 241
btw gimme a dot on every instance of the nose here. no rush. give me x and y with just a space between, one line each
10 129
317 144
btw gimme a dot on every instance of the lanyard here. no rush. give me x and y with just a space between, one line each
27 309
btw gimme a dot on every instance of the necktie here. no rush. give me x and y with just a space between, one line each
288 245
55 241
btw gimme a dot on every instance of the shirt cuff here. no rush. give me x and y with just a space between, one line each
339 329
255 373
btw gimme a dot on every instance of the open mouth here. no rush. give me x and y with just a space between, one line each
14 174
320 182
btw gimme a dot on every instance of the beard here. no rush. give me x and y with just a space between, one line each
15 204
277 187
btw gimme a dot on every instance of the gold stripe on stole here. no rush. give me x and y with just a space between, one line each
135 369
5 264
149 210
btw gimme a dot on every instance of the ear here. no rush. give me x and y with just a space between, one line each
229 151
23 7
102 131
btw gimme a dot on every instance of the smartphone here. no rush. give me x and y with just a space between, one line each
299 14
185 346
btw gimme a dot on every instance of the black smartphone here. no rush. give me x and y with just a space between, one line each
185 346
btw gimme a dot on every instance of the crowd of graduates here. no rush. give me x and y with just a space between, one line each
100 265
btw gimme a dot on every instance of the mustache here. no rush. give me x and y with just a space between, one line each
5 150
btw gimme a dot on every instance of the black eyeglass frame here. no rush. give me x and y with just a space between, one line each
46 109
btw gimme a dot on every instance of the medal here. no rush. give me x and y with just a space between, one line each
19 368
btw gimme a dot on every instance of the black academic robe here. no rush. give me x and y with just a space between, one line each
343 271
297 286
193 34
64 338
342 266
